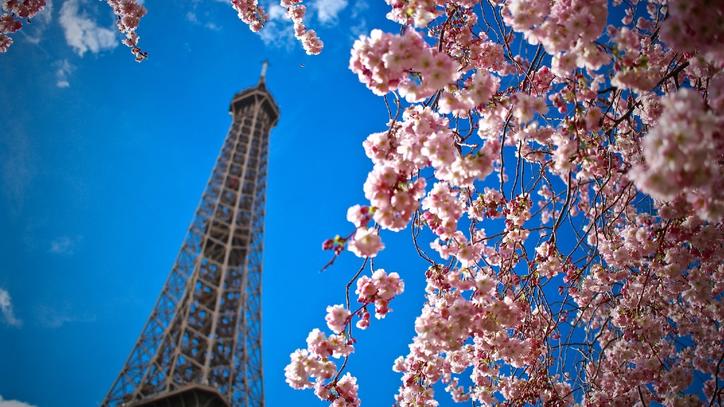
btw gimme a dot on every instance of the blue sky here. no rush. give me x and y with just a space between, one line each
103 161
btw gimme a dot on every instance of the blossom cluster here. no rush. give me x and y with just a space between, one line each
566 29
314 367
251 13
695 26
386 62
681 156
379 290
128 14
309 38
12 12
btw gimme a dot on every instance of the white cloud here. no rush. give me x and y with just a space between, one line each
212 26
277 12
358 12
13 403
34 32
64 245
17 161
6 308
191 17
82 33
359 7
327 10
64 70
277 34
203 19
56 317
278 30
359 29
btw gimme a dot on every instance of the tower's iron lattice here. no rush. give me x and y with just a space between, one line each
201 345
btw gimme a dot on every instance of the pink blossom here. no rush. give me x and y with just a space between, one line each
347 392
365 243
380 290
359 215
304 366
393 195
5 42
527 106
446 206
337 318
9 25
382 60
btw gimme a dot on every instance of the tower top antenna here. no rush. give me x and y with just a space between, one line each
264 66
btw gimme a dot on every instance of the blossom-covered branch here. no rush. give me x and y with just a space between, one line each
129 13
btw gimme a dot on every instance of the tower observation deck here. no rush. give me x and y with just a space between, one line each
201 345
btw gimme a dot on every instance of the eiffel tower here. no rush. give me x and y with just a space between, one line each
201 346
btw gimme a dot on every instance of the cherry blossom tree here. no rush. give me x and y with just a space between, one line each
559 166
559 163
